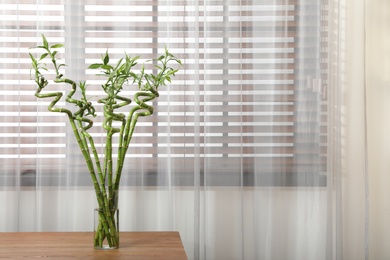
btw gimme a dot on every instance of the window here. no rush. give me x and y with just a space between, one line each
248 108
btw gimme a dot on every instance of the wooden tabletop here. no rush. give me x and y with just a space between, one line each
79 245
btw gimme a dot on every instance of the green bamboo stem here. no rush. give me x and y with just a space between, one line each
121 152
109 116
129 129
108 229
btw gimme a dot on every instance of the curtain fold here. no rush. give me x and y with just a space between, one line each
377 90
353 177
270 143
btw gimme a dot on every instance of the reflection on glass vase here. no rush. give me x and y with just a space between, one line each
106 228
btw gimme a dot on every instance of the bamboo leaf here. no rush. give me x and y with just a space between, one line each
55 46
171 72
43 56
118 63
106 59
106 67
95 66
32 58
124 65
45 43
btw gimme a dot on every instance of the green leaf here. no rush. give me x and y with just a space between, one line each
32 58
124 65
83 85
118 63
106 59
171 72
45 43
43 56
106 67
57 46
95 66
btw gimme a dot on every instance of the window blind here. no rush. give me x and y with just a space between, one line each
28 143
233 114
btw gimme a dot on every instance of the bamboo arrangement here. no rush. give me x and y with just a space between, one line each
104 173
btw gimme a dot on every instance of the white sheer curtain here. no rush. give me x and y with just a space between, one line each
259 149
377 81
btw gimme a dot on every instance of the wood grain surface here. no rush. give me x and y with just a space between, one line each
79 245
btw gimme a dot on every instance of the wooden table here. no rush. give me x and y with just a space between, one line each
79 245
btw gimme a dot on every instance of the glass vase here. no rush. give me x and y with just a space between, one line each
106 228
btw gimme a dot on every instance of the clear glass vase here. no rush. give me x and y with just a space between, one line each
106 228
